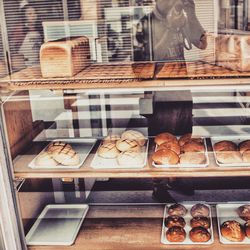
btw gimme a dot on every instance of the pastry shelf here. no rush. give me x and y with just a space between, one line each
21 169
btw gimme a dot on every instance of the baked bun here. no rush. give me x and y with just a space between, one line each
199 234
111 138
244 146
225 146
193 146
244 212
108 151
246 156
228 157
165 137
192 158
187 138
58 145
177 210
45 159
133 135
200 210
130 158
172 221
66 156
200 222
170 145
247 229
176 234
232 231
125 144
165 156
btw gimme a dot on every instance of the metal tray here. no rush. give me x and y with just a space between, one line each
101 163
187 228
81 146
226 212
236 139
185 165
57 225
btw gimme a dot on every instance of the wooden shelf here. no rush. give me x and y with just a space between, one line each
21 169
134 227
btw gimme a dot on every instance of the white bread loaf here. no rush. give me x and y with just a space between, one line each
64 57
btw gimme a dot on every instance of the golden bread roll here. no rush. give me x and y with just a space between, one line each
244 146
165 156
176 234
172 145
130 158
192 158
244 212
199 234
108 151
55 146
165 137
133 135
45 159
177 210
125 144
66 156
111 139
225 146
232 231
187 138
247 229
246 156
227 157
193 146
172 221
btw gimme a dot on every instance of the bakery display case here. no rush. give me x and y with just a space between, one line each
100 109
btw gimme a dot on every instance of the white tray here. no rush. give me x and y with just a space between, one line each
227 212
57 225
187 228
102 163
236 139
186 165
81 146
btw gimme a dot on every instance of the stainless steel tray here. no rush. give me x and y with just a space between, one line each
57 225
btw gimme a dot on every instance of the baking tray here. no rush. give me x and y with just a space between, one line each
187 228
226 212
236 139
82 146
186 165
57 225
102 163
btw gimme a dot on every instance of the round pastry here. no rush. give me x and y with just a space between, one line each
246 156
108 151
200 222
165 137
244 212
111 138
199 234
58 145
133 135
244 146
172 221
66 156
45 159
170 145
228 157
247 229
200 210
187 138
225 146
124 145
192 158
176 234
177 210
165 156
232 231
193 146
130 158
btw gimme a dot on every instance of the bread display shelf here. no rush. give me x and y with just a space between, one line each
21 169
130 227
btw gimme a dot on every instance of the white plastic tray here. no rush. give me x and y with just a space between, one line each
227 212
185 165
187 228
102 163
81 146
236 139
57 225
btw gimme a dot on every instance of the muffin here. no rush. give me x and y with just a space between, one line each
165 156
200 222
172 221
177 210
244 212
232 231
170 145
165 137
200 210
199 234
176 234
225 146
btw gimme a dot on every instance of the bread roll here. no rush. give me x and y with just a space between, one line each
200 210
108 151
165 156
172 221
111 139
187 138
172 145
66 156
199 234
193 146
192 158
165 137
133 135
225 146
232 231
124 145
244 146
200 222
246 156
176 234
247 229
64 57
244 212
177 210
58 145
45 159
130 158
227 157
